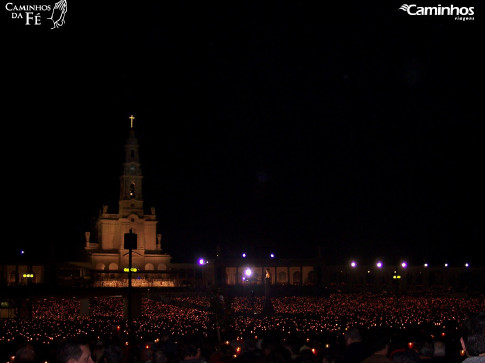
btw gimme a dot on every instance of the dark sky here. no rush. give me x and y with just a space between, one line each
263 126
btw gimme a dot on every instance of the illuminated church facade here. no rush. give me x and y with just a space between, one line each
108 255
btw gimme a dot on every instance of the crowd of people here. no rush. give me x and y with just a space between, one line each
340 328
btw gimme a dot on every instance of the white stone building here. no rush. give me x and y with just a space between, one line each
107 253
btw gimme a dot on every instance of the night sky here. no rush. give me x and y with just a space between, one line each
282 126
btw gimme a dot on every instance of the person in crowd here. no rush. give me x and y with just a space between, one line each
189 350
250 353
98 351
146 355
305 356
473 338
354 348
112 354
167 345
379 348
224 354
406 356
25 354
159 356
439 352
74 350
273 351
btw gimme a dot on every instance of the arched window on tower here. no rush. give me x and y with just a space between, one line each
132 190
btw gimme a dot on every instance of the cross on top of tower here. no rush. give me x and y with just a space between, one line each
131 120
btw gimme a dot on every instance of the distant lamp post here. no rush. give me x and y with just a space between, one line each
271 255
248 272
268 306
379 264
404 264
353 264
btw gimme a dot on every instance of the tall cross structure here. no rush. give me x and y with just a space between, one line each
131 120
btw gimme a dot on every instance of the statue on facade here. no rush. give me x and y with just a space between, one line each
159 241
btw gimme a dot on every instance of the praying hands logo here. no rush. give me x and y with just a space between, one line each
59 13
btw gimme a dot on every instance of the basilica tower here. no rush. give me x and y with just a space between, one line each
107 252
131 199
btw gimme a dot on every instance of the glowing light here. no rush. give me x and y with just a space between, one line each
133 269
446 265
426 264
404 264
244 255
201 261
248 272
271 255
379 264
353 264
467 264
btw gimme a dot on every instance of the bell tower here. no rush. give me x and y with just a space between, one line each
108 252
131 198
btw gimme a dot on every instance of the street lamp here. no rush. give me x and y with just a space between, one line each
247 274
202 261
